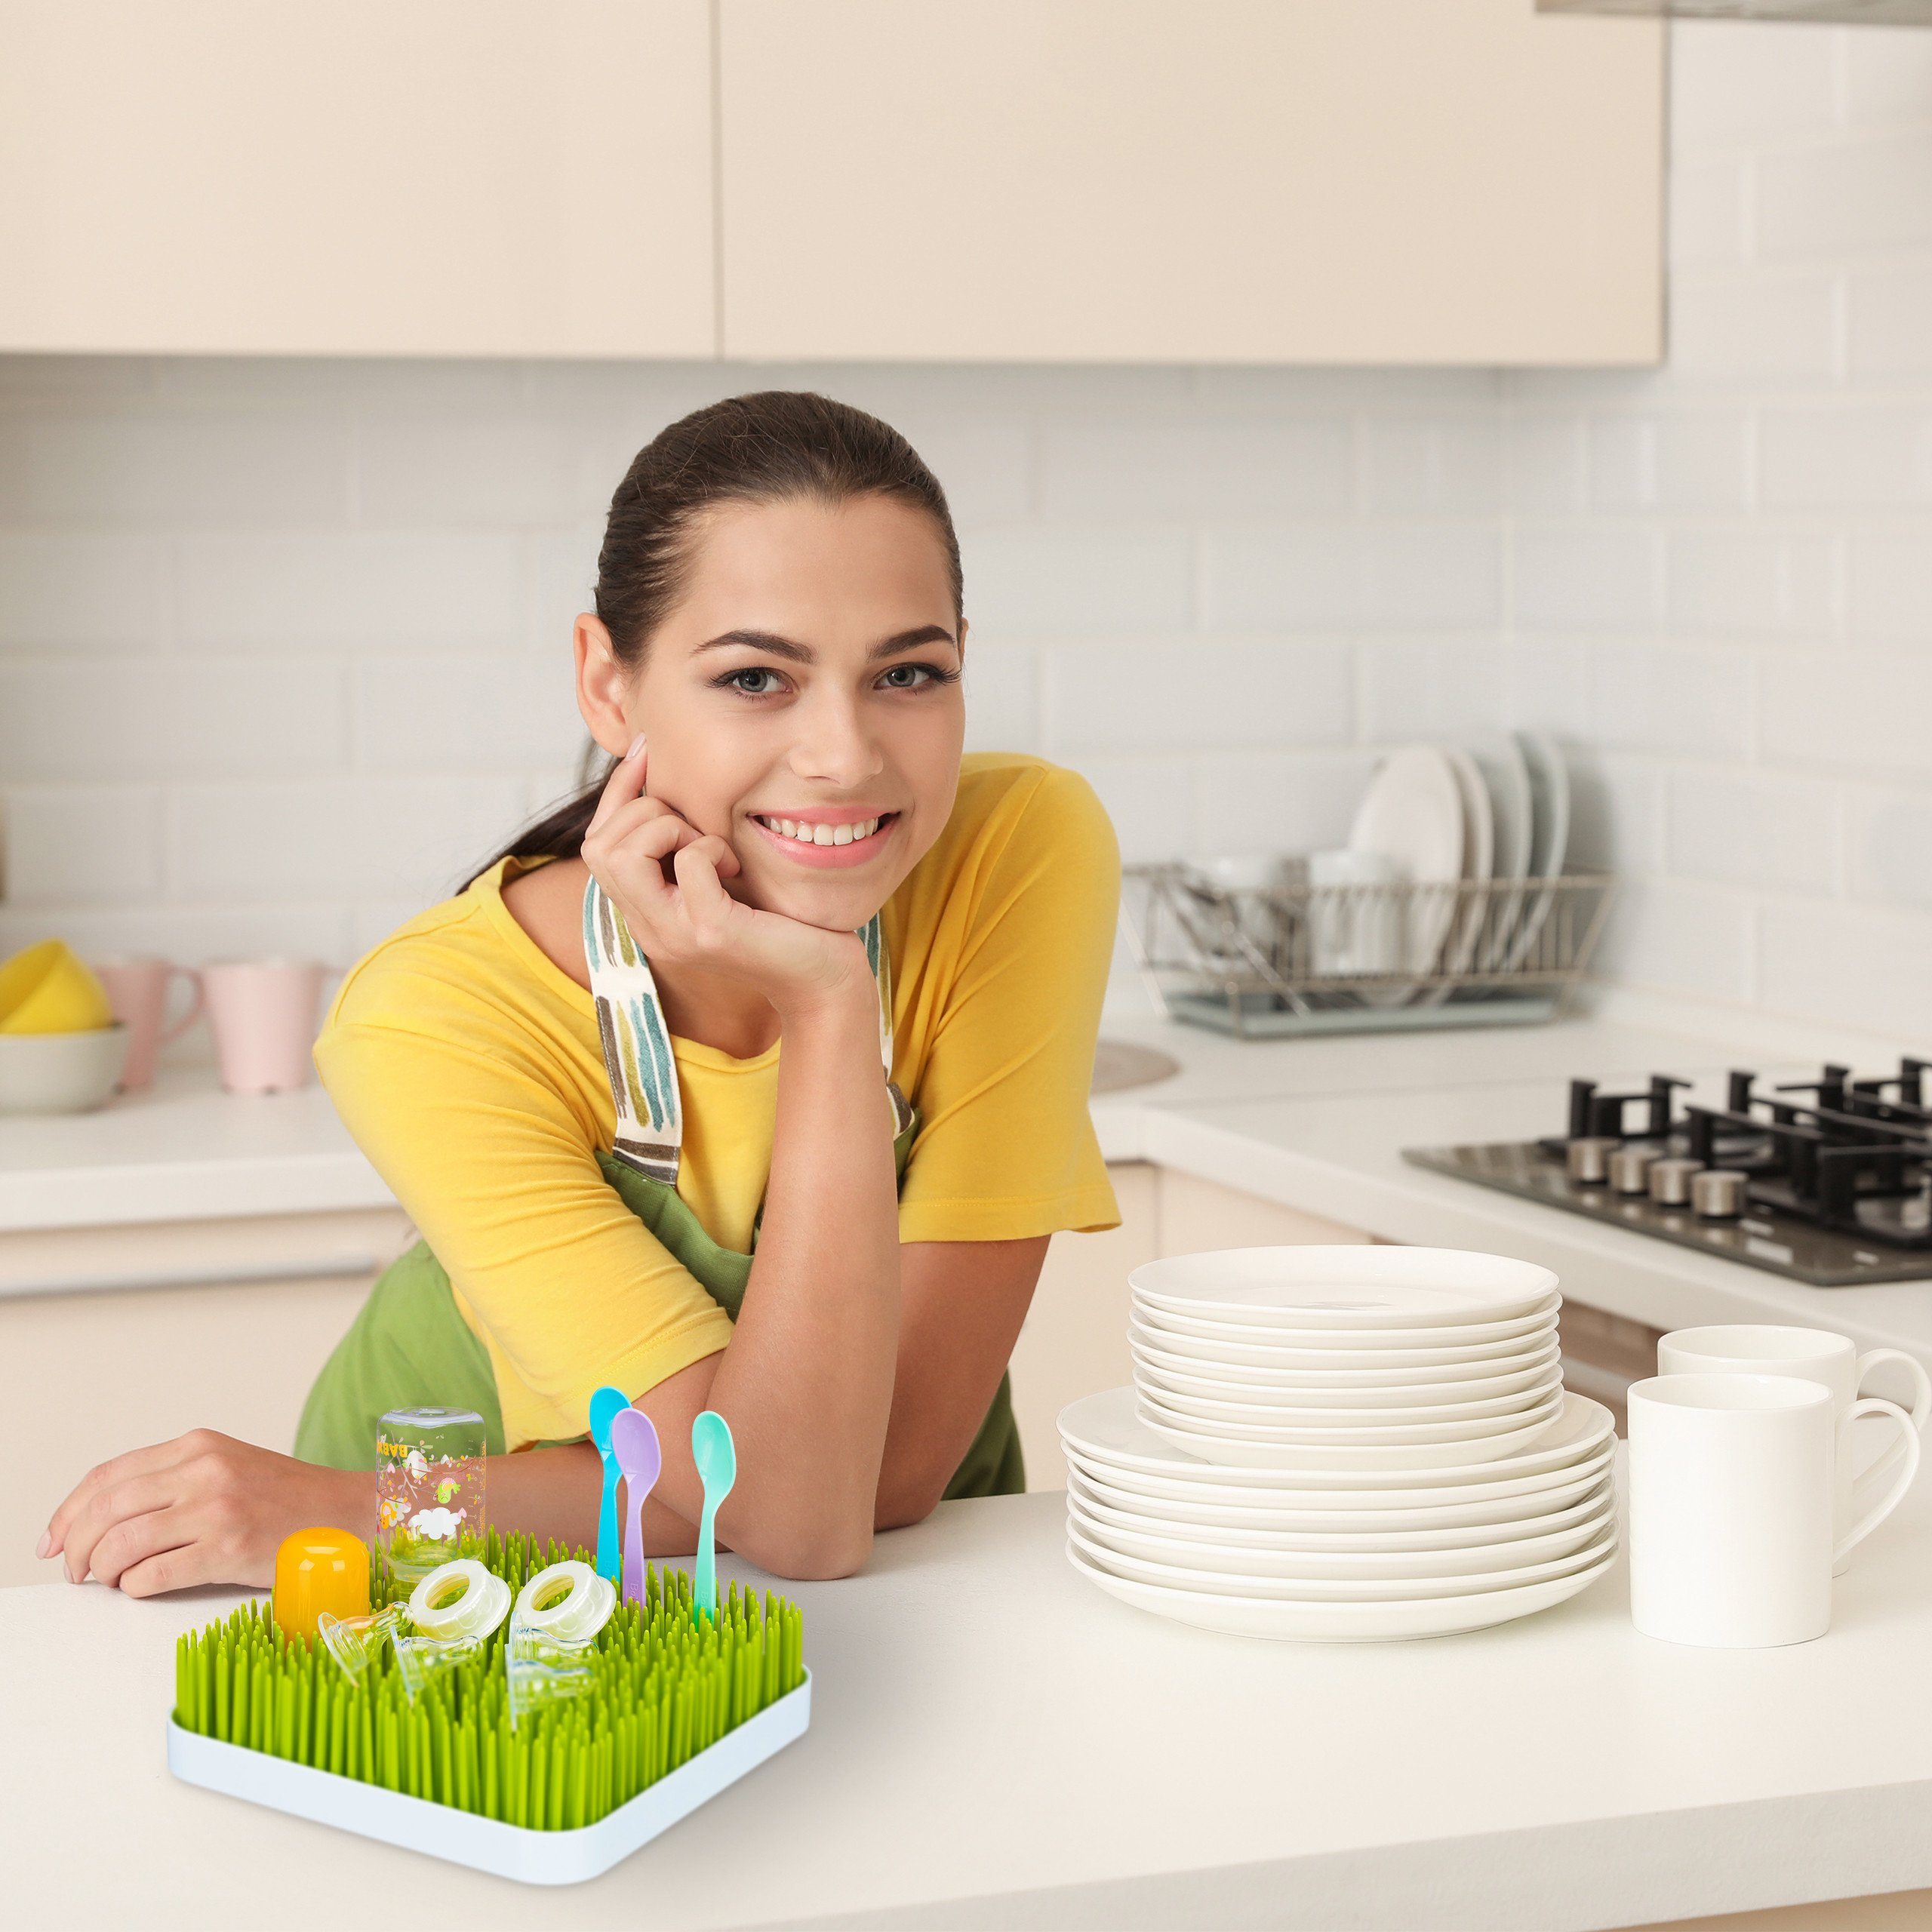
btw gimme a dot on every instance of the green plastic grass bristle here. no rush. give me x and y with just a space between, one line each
666 1686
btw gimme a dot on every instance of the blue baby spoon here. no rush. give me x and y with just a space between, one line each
716 1456
606 1405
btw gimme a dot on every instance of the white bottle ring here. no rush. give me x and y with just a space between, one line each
458 1600
568 1603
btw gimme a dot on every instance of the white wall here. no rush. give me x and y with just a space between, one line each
284 646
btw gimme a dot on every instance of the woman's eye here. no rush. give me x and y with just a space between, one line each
731 677
931 673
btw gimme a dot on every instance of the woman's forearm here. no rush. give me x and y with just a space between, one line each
806 1383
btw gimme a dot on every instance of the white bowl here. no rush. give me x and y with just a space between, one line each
60 1073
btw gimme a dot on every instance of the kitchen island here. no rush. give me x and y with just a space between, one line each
994 1742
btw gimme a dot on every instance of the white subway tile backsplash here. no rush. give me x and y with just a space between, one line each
1748 828
1445 575
1692 940
1606 576
406 838
1742 331
1740 580
1890 845
350 588
98 468
1863 714
1278 801
60 588
1845 456
127 718
1889 583
80 844
1682 461
1871 192
1693 700
1708 209
1821 957
1734 87
466 712
1165 466
1151 802
1428 689
1031 583
1205 693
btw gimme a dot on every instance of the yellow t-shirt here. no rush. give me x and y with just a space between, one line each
468 1067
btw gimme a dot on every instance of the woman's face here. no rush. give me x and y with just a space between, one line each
810 673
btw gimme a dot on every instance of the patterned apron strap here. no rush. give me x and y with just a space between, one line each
637 1042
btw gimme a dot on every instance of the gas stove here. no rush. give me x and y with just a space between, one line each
1827 1181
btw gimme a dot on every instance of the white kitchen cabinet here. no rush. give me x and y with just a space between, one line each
1349 181
453 177
219 1325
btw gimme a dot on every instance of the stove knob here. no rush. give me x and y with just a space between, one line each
1630 1169
1588 1158
1670 1180
1717 1194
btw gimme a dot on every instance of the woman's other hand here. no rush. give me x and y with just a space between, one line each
696 922
203 1508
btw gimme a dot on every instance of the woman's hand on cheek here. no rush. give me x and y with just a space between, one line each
696 922
203 1508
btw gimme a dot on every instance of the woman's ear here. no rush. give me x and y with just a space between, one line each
602 685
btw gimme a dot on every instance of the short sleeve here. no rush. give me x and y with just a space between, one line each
567 1289
1006 1147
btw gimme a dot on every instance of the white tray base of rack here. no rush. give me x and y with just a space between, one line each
509 1851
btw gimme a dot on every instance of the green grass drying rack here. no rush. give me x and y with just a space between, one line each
679 1709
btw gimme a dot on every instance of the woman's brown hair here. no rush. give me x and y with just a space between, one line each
773 446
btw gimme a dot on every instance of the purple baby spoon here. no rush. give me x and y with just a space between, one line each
634 1442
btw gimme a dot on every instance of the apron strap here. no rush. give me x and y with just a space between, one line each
637 1041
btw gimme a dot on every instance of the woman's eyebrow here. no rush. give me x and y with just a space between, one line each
803 653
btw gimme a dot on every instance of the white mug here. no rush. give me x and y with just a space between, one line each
1816 1354
1731 1542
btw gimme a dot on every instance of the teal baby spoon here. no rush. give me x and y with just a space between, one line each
716 1459
634 1437
606 1405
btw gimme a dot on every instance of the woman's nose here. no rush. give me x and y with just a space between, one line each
835 747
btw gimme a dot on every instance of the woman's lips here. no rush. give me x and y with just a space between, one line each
858 854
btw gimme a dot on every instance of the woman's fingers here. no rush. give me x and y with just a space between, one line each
707 905
624 784
118 1469
114 1504
185 1562
165 1542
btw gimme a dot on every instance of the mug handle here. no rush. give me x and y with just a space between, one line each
1874 1405
1882 1464
194 1013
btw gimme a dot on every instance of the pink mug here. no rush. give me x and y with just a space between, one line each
262 1014
138 990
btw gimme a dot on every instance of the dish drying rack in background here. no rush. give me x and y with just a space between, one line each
1270 961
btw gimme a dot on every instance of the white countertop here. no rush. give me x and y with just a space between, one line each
1317 1124
994 1742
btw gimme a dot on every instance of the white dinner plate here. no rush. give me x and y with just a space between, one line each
1342 1623
1540 1323
1194 1395
1412 812
1239 1518
1355 1286
1499 758
1104 1429
1396 1391
1341 1589
1459 950
1254 1450
1338 1366
1549 835
1346 1426
1293 1567
1084 1501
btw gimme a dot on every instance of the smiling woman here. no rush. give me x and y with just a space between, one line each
753 1079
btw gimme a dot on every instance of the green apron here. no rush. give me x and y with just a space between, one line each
410 1347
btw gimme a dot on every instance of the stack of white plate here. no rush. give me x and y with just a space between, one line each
1339 1444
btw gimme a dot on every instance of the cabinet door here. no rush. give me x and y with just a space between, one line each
1073 1342
1244 180
459 178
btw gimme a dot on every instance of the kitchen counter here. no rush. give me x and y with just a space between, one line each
995 1741
1315 1124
